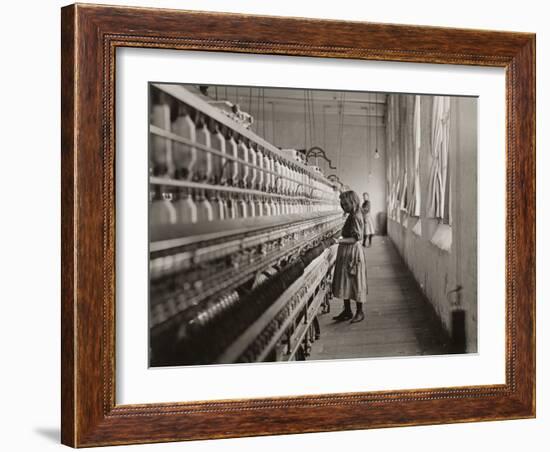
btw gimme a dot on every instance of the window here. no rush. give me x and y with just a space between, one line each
414 198
439 190
439 193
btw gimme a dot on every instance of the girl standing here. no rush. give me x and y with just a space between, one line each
368 224
350 271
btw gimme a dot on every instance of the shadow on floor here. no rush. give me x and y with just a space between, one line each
51 433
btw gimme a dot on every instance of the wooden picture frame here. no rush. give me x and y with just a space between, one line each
90 37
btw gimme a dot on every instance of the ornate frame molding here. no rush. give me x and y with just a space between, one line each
90 37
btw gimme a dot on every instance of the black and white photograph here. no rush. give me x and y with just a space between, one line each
292 224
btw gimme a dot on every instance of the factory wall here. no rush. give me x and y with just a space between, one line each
440 271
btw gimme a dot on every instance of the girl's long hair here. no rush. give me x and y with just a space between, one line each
351 198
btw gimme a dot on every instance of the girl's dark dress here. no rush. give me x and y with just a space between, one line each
350 270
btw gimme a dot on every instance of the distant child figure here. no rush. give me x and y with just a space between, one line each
368 224
350 270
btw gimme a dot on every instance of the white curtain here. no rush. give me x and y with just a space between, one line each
414 201
440 159
393 183
402 155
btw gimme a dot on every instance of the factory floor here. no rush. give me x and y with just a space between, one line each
398 322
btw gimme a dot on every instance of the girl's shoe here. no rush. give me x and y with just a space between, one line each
344 315
359 316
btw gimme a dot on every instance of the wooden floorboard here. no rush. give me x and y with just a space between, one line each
399 321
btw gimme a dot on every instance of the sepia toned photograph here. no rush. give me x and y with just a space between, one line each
302 225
